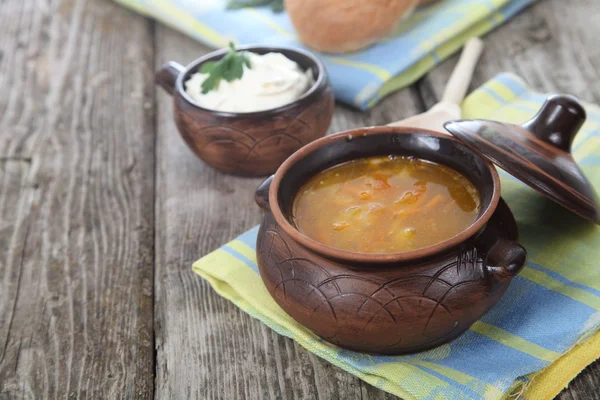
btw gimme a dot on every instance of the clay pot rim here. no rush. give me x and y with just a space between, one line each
376 258
310 96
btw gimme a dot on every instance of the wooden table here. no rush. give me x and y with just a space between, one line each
103 208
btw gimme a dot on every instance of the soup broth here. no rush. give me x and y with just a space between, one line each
385 205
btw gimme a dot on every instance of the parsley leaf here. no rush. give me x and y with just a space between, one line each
230 67
276 5
207 67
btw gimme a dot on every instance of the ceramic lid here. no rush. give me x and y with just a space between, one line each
538 152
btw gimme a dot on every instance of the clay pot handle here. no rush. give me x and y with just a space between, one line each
167 75
558 121
261 196
505 260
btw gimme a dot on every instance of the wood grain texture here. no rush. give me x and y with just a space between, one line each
206 347
201 359
76 201
553 46
77 204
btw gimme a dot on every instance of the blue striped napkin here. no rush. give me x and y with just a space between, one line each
527 343
361 79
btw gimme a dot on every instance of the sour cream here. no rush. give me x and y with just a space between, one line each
272 81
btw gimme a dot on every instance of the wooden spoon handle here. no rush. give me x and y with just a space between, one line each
459 81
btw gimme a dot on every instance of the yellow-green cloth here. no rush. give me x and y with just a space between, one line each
362 78
541 334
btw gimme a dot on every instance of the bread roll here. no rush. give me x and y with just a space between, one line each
339 26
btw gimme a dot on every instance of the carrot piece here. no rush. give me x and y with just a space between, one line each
381 181
434 202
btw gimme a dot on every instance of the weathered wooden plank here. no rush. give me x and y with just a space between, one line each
550 45
206 347
76 201
554 48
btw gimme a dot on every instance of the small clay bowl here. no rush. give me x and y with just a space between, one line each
387 303
254 143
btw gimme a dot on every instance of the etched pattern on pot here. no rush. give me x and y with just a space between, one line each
390 310
252 148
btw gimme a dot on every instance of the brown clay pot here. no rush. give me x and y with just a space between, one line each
255 143
387 303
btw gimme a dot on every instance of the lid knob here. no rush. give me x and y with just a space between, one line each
558 121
